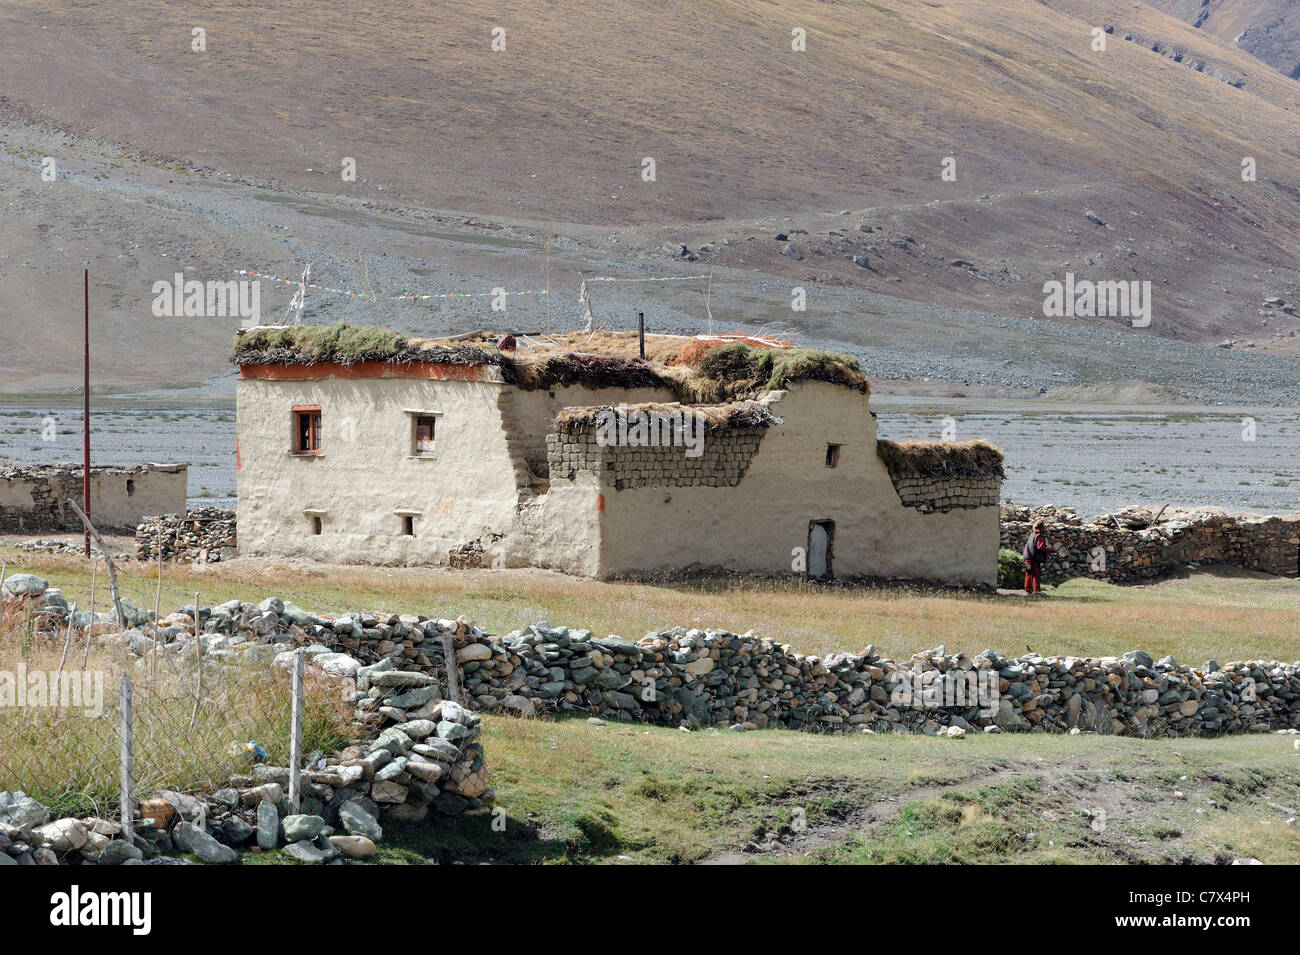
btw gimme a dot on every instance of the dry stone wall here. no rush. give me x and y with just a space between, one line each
1122 555
726 456
416 756
205 534
713 677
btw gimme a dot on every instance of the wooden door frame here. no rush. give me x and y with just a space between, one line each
830 548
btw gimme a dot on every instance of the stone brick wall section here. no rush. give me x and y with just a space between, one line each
946 493
32 496
1268 544
204 534
48 488
726 457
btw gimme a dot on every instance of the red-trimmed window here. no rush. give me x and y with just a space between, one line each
306 429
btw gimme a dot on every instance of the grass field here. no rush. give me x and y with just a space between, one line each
575 792
1226 615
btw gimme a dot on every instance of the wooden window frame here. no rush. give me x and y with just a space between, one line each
416 450
413 448
314 427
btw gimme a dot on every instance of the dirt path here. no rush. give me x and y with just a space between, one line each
819 835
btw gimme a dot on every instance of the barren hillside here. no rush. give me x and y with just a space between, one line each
1122 164
1266 29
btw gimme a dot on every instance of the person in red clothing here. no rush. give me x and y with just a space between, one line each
1036 551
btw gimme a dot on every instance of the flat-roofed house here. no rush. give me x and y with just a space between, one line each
575 454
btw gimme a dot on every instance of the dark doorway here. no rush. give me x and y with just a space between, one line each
821 540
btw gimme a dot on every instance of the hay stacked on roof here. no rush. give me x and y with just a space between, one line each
906 459
741 414
769 369
727 372
592 371
348 345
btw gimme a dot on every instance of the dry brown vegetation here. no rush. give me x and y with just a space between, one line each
591 371
347 345
1226 615
68 756
975 458
745 414
659 349
733 370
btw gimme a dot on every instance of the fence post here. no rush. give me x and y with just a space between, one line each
198 656
67 641
90 627
295 735
108 561
127 760
453 677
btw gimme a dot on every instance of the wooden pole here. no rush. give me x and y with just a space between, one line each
85 415
157 605
295 735
67 641
108 562
127 761
198 656
90 627
640 331
548 281
453 678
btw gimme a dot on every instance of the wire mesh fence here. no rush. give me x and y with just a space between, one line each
209 697
59 719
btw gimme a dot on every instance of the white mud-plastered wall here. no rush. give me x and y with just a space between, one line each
756 526
481 488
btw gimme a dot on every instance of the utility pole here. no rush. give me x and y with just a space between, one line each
85 414
548 281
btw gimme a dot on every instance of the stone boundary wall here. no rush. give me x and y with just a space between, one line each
32 496
718 678
416 755
205 534
714 677
727 454
1268 544
942 493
